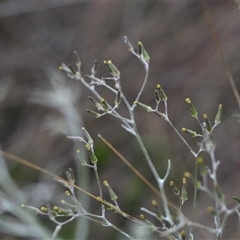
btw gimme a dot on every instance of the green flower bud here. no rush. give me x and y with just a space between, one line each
104 104
208 123
202 168
95 103
91 153
87 135
143 106
193 111
162 93
95 114
81 158
183 235
158 211
219 115
211 210
175 190
184 191
142 52
43 209
67 193
112 194
112 68
190 132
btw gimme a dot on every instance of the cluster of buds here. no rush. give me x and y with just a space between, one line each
89 147
206 125
181 194
159 95
139 51
70 70
103 105
69 209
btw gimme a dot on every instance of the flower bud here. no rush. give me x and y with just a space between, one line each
81 158
104 104
208 123
142 52
112 194
175 190
143 106
87 135
95 114
219 115
190 132
184 190
193 111
95 103
91 153
162 93
112 68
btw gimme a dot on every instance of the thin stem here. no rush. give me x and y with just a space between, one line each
99 188
114 113
120 231
146 66
155 190
188 146
194 197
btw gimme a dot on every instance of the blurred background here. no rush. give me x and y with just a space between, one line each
40 106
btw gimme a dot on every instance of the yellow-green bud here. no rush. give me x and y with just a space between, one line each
162 93
43 209
189 132
154 203
67 193
81 158
143 106
111 193
193 111
187 175
87 135
112 68
142 52
91 153
175 190
184 191
104 104
95 114
208 123
219 115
